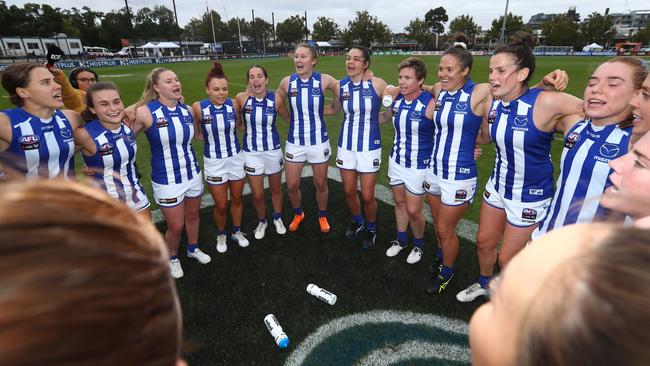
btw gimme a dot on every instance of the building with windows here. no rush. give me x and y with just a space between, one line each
17 46
628 24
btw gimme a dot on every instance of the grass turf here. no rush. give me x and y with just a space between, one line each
225 301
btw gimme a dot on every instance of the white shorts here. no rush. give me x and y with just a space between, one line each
520 214
361 161
220 171
451 192
263 162
412 179
170 195
313 154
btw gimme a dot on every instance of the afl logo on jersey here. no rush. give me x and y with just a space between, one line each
315 91
65 133
162 122
207 119
521 121
345 96
294 92
571 140
29 142
492 115
609 150
438 105
248 109
461 106
529 214
105 149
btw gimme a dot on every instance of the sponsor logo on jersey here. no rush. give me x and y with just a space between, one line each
326 153
167 201
528 214
461 195
464 170
281 161
375 163
65 133
536 192
521 121
571 140
339 161
249 169
609 150
426 185
105 149
289 156
486 194
214 179
162 122
29 142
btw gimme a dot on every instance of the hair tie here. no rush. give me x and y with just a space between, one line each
462 44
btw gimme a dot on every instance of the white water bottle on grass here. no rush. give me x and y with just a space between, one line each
276 331
321 293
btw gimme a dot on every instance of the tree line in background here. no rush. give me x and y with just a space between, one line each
157 23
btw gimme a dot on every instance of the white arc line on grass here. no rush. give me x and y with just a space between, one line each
416 350
466 229
300 354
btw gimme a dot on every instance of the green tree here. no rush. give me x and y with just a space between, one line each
464 24
597 28
514 23
560 31
14 20
88 24
436 18
325 29
291 30
366 29
643 35
117 25
419 31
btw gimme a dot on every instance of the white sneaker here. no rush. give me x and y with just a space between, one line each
472 292
260 230
199 256
240 239
394 249
175 268
222 244
414 256
279 226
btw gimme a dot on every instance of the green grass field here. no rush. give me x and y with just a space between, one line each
382 314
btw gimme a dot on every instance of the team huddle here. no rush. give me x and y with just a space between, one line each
433 154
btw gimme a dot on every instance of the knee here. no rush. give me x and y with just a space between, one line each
175 227
413 212
445 231
485 243
220 206
350 192
321 184
293 187
235 200
258 196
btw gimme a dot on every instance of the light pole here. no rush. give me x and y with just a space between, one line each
502 39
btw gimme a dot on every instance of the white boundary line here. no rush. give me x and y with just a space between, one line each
466 228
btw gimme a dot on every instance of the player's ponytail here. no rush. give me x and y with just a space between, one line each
459 50
521 48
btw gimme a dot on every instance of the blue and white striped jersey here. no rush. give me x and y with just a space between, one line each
306 100
413 142
361 104
259 117
114 162
173 160
523 170
584 173
218 125
39 148
455 136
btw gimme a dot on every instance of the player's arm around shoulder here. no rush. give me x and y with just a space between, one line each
84 142
556 110
74 118
281 99
329 82
5 132
479 99
198 118
483 136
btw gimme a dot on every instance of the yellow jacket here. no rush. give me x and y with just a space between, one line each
74 99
